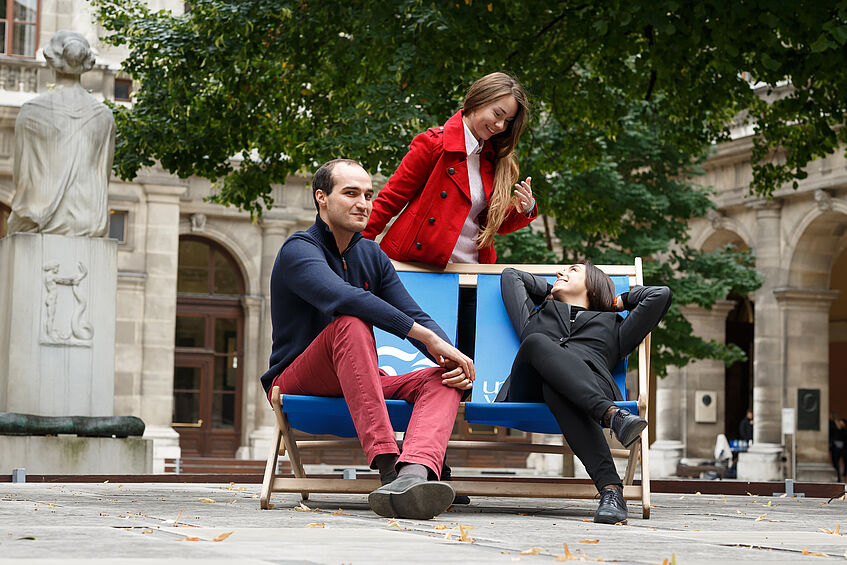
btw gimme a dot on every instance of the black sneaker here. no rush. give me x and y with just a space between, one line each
627 426
612 507
447 476
410 496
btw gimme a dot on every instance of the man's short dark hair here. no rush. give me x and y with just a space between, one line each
322 179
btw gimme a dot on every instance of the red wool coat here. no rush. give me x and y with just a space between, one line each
433 180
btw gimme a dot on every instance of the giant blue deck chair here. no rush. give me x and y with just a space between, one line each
437 294
496 345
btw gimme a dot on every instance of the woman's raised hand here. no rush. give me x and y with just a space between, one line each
523 192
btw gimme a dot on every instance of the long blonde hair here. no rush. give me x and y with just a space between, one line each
484 91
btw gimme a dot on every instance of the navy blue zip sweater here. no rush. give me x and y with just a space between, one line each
312 284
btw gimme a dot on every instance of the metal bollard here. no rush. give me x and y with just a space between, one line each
348 474
19 475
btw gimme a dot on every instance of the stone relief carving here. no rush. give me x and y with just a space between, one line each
717 219
198 222
78 331
823 200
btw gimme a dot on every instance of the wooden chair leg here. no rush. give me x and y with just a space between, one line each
632 461
645 475
291 447
270 469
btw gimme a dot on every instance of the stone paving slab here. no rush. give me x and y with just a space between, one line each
177 524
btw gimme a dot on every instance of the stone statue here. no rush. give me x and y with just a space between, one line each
64 145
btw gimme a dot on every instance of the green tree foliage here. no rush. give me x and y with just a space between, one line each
288 84
625 95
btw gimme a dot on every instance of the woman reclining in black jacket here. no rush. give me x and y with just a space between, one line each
571 338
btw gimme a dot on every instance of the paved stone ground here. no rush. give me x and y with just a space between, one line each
166 523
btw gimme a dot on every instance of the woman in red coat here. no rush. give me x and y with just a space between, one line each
456 182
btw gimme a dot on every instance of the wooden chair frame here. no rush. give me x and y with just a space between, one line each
530 487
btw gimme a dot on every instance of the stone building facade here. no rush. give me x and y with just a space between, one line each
794 327
193 330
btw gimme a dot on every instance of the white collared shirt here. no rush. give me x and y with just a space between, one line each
465 250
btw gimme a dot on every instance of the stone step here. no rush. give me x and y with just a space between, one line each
218 465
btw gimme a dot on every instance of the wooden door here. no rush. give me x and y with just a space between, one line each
207 378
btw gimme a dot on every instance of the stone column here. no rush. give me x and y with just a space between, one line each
161 253
274 233
253 366
129 334
706 376
806 313
667 450
762 461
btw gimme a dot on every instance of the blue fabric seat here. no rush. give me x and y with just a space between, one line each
438 295
496 347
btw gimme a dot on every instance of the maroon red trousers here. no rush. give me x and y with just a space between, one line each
342 361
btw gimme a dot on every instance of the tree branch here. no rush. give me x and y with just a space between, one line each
545 29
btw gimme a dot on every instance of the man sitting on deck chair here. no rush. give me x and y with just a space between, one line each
329 286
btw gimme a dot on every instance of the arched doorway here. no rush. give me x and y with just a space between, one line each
208 350
738 377
4 218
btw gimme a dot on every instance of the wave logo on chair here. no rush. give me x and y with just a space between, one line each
396 361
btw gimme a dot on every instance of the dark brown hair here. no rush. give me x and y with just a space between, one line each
322 179
601 289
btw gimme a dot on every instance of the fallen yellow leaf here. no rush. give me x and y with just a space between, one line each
146 531
568 556
189 538
208 500
532 551
814 553
441 527
222 536
316 525
836 531
393 524
760 518
589 541
463 530
303 508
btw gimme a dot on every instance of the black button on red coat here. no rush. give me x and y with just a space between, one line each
443 194
451 170
418 245
431 221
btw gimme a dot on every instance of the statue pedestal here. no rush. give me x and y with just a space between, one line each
57 325
762 462
72 455
665 455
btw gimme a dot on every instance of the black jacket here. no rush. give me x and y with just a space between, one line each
602 339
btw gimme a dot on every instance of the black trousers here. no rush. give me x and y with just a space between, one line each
544 371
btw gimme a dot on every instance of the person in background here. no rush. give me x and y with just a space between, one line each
745 427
